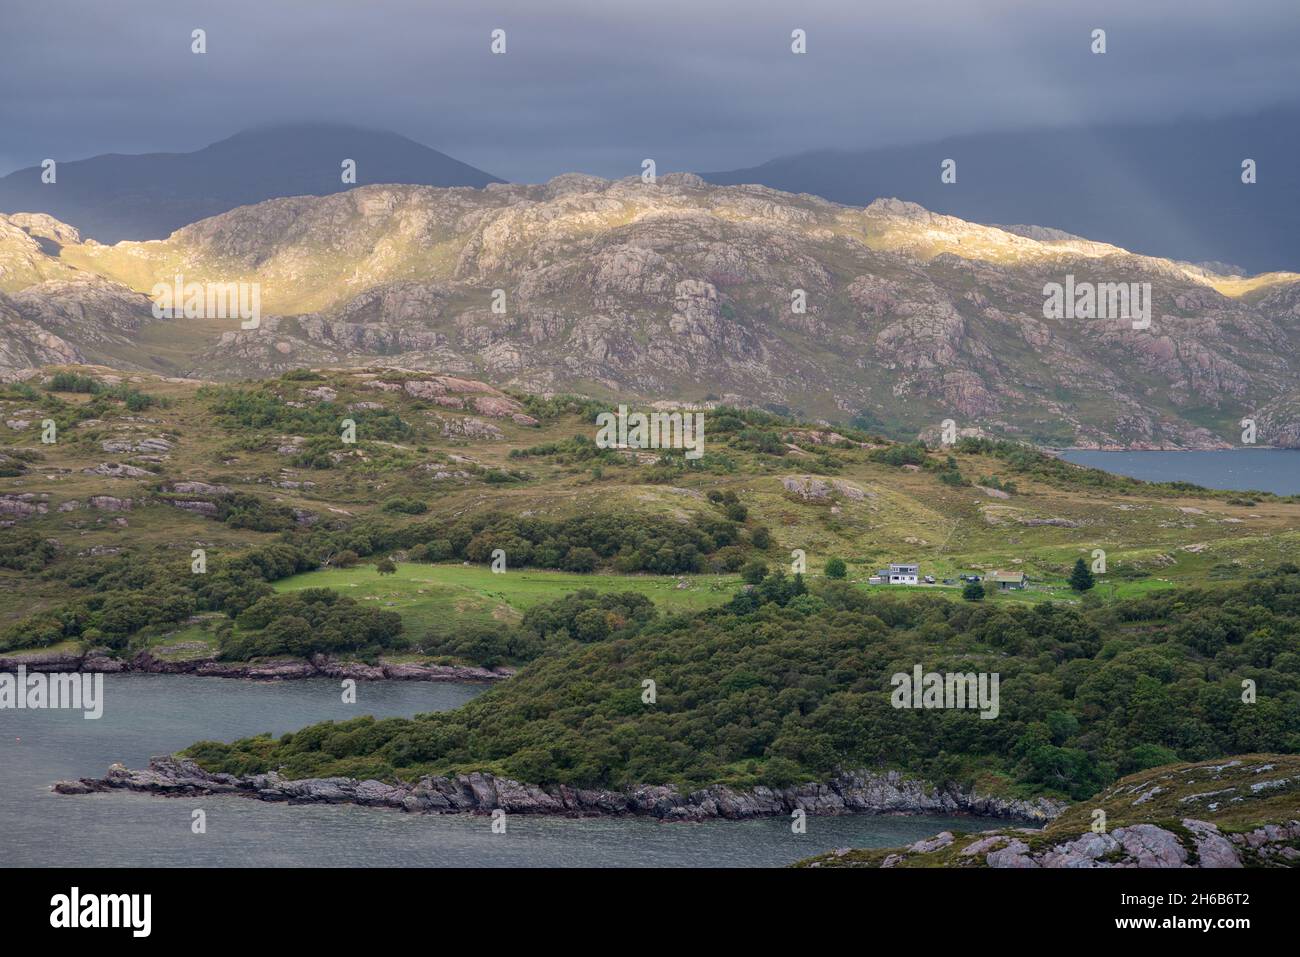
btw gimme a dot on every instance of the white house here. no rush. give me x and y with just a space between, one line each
903 574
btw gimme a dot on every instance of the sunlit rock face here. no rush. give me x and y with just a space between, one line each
677 288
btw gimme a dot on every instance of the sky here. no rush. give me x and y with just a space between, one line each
598 86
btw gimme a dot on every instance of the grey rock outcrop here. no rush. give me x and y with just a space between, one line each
97 660
862 792
1200 844
642 290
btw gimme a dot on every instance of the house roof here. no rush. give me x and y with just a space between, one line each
1001 576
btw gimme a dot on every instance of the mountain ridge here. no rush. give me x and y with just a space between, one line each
681 289
1170 188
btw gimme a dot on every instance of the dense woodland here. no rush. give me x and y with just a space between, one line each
113 598
786 685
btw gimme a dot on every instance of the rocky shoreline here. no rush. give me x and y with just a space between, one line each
318 666
1201 844
1223 812
849 793
1212 446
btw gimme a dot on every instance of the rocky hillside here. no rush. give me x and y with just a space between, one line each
163 464
684 290
1237 812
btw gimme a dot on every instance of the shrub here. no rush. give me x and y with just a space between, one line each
439 550
405 506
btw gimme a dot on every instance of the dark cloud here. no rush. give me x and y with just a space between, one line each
709 84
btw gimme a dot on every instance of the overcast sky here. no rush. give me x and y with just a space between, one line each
598 86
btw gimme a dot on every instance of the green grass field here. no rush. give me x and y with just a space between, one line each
885 513
440 597
1105 590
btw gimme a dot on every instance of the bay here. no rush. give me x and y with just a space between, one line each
146 715
1263 470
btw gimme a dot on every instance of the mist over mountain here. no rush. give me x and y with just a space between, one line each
1171 189
114 197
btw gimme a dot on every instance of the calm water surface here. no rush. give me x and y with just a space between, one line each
1263 470
145 715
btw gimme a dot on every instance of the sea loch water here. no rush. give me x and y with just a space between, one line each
146 715
1262 470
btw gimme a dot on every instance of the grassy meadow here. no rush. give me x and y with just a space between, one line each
442 596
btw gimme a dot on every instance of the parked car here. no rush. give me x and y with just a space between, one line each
928 579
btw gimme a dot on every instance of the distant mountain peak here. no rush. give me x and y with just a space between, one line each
114 197
1170 188
1042 234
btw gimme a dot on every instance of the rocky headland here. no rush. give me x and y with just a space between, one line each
849 793
318 666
